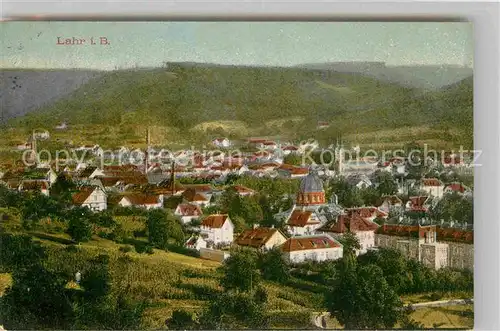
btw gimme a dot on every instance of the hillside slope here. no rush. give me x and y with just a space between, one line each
195 99
185 95
420 76
23 91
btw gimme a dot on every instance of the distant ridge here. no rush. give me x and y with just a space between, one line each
421 76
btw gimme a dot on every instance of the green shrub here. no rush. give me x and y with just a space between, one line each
125 249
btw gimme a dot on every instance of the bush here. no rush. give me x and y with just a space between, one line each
436 296
125 249
72 249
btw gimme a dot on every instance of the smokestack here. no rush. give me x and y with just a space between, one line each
172 177
146 157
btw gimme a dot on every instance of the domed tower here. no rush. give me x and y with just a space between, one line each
311 191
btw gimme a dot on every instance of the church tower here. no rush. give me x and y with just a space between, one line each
311 191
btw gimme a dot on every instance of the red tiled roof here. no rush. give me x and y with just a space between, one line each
142 199
80 197
450 234
242 189
255 237
456 187
268 143
431 182
405 230
290 148
300 218
215 221
191 195
366 212
34 185
187 209
307 243
354 223
198 187
417 203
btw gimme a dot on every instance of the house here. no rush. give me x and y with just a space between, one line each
261 238
418 204
322 125
217 229
433 187
89 172
289 150
360 181
42 135
243 191
390 202
369 213
301 222
187 212
45 173
62 126
196 242
191 196
362 227
92 197
141 200
269 145
41 186
291 171
221 142
25 146
311 248
456 188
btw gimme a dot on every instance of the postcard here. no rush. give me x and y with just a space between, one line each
230 175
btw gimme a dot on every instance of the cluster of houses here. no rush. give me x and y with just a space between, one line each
313 226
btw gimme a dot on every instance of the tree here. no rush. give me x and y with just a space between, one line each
363 299
240 270
348 196
79 227
182 320
37 206
454 207
19 252
385 183
37 299
274 266
393 265
62 187
96 280
350 243
161 227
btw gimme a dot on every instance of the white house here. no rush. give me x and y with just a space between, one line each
187 212
433 187
217 228
92 197
221 142
261 238
302 222
196 242
141 200
312 248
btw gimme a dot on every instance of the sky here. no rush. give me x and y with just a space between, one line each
149 44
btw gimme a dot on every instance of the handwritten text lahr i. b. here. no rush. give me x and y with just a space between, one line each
82 41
